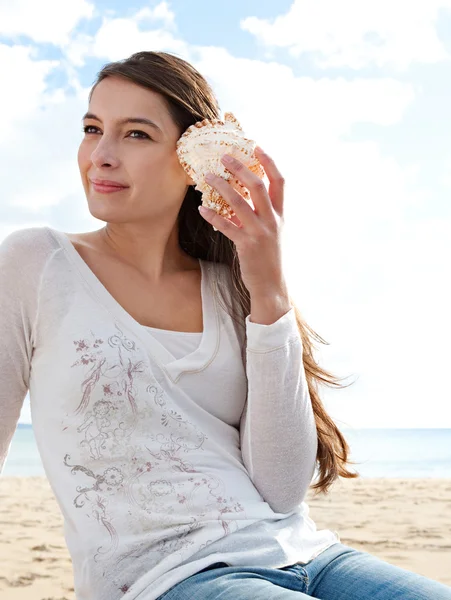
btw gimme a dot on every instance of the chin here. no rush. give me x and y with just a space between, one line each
100 210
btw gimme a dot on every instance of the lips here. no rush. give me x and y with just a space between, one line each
108 183
106 186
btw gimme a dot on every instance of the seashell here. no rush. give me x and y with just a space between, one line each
200 149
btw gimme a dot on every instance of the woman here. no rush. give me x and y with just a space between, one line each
172 381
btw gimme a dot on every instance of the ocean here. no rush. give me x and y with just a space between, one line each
379 452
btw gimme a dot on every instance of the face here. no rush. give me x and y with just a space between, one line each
139 156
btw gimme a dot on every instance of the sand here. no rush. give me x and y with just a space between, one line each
406 522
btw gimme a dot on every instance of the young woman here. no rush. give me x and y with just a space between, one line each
172 380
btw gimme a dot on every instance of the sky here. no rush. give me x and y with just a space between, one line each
351 99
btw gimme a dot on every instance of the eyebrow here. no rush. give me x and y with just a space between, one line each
141 120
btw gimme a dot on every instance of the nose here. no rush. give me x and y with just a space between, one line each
105 154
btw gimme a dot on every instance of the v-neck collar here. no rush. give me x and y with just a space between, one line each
191 363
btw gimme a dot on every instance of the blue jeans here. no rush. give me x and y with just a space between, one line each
338 573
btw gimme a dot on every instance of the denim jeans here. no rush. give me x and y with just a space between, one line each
338 573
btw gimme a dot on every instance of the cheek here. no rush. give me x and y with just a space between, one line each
156 167
83 157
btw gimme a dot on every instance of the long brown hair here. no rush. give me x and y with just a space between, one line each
189 98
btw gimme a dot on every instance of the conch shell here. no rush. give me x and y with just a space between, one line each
200 150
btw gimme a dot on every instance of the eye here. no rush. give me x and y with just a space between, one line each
141 133
87 127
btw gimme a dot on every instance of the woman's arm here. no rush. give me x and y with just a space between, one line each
277 430
17 275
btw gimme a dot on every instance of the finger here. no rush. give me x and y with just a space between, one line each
220 223
276 180
254 184
237 203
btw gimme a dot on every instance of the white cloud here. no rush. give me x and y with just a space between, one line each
42 161
447 172
356 33
161 13
23 85
38 139
392 324
119 37
44 20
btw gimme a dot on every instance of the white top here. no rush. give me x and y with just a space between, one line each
166 452
178 343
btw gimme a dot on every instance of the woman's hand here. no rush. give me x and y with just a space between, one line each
256 233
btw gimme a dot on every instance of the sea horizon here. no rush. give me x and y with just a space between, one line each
379 452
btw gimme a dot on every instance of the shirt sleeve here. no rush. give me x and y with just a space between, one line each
277 430
17 312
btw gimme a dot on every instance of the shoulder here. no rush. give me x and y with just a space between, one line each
25 252
21 240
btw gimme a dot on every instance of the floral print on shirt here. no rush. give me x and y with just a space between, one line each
133 473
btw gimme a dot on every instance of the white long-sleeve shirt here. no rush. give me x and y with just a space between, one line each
166 451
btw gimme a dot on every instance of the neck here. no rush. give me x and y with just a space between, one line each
156 254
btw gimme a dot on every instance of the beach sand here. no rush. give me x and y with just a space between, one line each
406 522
